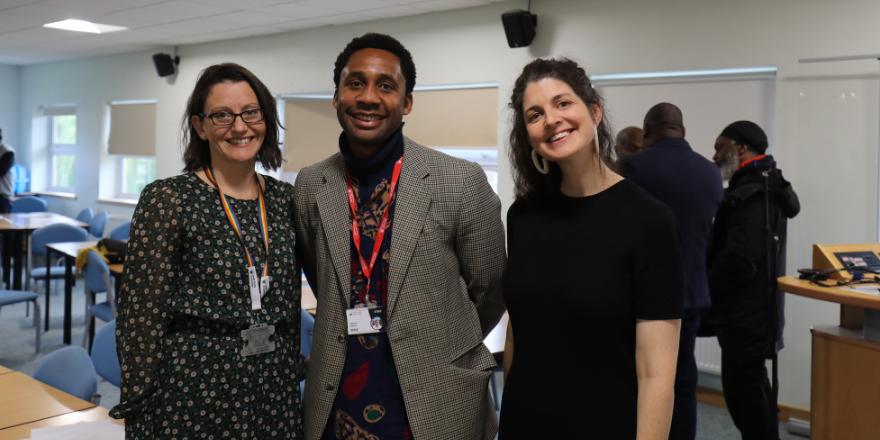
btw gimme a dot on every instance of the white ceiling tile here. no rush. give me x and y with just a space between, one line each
444 5
29 37
135 3
237 4
297 11
252 18
339 19
212 24
348 5
13 22
395 11
151 16
174 30
133 18
9 4
192 8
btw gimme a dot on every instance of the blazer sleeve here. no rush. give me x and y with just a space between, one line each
305 237
479 246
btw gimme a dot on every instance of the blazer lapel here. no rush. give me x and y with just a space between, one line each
411 209
333 208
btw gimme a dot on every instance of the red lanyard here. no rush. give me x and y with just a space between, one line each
356 233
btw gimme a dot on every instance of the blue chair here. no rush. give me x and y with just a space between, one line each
9 297
121 232
19 179
70 370
307 329
85 215
97 224
29 204
104 354
97 280
57 233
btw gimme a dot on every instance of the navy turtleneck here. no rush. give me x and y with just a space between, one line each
369 396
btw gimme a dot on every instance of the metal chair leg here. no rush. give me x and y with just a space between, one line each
37 322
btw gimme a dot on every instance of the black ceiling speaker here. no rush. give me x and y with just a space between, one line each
519 26
164 64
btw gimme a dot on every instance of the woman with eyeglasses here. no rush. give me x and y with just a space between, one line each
209 313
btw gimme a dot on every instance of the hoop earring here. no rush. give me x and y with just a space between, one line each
596 140
541 169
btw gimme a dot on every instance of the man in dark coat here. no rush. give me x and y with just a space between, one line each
737 266
691 186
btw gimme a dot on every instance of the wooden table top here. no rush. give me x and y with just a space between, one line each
4 370
25 400
71 248
36 220
89 415
792 284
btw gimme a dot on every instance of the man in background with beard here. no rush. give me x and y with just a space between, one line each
737 266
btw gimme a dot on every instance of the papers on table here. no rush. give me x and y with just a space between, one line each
100 430
870 290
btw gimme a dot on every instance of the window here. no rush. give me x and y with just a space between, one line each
134 174
62 152
133 142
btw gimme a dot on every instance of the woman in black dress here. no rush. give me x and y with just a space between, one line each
594 280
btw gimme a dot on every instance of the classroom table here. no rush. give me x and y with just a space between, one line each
26 400
21 432
4 370
68 251
18 227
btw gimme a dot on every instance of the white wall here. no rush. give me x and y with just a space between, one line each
818 143
10 84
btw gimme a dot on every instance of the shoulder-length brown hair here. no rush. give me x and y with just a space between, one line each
528 182
197 153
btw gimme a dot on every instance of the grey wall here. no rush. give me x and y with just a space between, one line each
10 103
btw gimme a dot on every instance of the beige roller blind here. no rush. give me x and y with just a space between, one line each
454 118
132 129
311 133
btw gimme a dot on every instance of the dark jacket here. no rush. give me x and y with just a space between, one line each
691 186
737 259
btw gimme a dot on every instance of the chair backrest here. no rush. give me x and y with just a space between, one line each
96 274
19 179
29 204
85 215
121 232
57 233
97 223
104 353
70 370
307 327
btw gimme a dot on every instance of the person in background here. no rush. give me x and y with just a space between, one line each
210 276
7 185
628 142
594 283
389 228
737 266
690 185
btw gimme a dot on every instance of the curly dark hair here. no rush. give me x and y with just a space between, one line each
381 42
528 182
197 153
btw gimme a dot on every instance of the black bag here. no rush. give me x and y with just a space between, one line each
113 250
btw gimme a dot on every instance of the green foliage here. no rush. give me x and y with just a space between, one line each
137 172
64 130
62 171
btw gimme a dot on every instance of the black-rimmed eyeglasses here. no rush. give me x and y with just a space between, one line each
222 119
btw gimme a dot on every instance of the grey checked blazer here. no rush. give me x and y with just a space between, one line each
444 290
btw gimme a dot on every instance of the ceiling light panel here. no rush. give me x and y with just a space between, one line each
85 26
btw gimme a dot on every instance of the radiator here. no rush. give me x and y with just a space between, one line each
708 354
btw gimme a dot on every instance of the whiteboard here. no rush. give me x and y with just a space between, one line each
707 106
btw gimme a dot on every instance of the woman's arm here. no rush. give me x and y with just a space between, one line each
508 349
656 354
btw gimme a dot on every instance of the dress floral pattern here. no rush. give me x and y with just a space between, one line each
183 304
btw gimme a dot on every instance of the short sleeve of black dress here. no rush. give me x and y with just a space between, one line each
580 272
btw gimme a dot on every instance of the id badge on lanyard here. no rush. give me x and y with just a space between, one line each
365 320
257 335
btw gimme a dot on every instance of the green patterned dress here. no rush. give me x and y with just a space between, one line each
183 304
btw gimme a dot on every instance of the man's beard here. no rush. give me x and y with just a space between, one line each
728 165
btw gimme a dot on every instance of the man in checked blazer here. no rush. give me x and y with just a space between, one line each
437 277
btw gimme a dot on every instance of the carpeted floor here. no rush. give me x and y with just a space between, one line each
17 353
17 335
